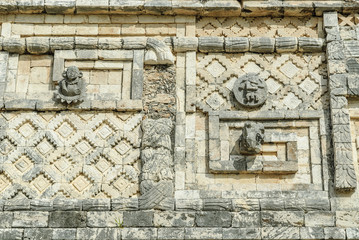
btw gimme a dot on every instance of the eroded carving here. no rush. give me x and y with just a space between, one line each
72 87
250 90
157 165
252 138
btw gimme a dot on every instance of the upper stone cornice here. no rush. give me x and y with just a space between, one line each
179 7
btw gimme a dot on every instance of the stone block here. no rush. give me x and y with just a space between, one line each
352 233
246 219
96 205
17 205
104 219
86 42
6 219
139 233
30 219
261 44
311 233
110 43
138 219
236 44
62 43
330 19
319 219
282 218
170 233
203 233
14 45
41 204
67 219
63 233
189 204
60 6
280 233
286 44
38 45
61 204
272 204
321 204
217 204
38 233
12 234
334 233
134 43
211 44
213 219
241 204
242 233
173 219
98 233
184 44
347 218
310 44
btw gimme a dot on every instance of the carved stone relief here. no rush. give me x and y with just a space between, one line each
157 165
72 88
252 138
250 90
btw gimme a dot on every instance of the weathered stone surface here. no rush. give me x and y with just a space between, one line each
272 204
14 45
6 219
334 233
310 44
38 45
17 204
352 233
261 44
203 233
184 44
246 219
62 43
242 233
63 233
311 233
319 219
104 219
12 234
138 219
139 233
245 204
347 218
61 204
217 204
213 219
30 219
124 204
96 205
38 233
67 219
98 233
286 44
211 44
236 44
173 219
170 233
280 233
282 218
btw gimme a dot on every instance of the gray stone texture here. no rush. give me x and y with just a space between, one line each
213 219
67 219
138 219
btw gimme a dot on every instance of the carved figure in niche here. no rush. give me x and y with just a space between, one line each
252 138
72 87
250 90
157 165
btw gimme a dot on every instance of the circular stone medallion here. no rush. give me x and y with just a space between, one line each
250 90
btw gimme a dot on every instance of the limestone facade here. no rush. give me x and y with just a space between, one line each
184 119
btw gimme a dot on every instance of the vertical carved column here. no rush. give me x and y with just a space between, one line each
157 165
345 178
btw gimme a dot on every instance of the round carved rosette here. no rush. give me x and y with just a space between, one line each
250 90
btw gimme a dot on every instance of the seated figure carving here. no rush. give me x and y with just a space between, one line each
72 87
252 138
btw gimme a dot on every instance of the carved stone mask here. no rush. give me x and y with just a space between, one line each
72 73
252 138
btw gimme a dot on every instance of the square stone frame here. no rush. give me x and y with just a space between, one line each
219 161
135 76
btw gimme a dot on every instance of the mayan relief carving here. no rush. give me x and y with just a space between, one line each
157 165
71 88
294 81
70 154
259 27
250 90
252 138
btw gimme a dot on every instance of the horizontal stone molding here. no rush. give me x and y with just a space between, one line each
195 7
159 52
35 104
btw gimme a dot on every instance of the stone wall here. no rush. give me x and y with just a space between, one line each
179 119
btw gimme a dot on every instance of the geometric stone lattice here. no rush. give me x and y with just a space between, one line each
294 81
77 155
